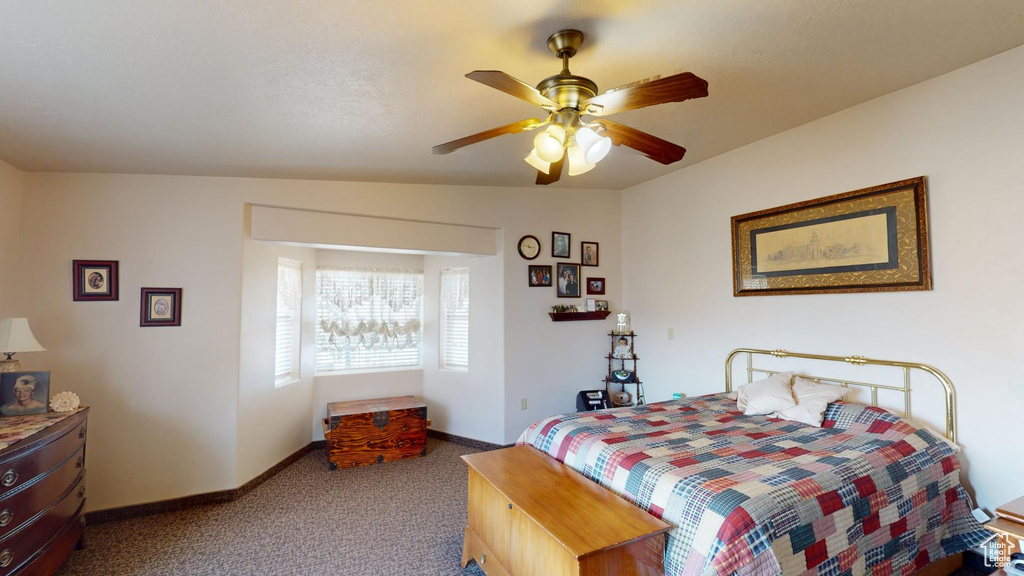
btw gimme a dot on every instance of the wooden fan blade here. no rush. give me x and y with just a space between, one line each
675 88
553 174
510 85
512 128
651 146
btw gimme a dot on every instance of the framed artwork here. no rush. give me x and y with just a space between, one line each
160 307
94 280
24 393
591 305
540 276
595 285
869 240
602 305
589 253
561 244
568 280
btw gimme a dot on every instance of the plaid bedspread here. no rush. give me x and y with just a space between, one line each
868 493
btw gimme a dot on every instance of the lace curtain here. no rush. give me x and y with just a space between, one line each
368 310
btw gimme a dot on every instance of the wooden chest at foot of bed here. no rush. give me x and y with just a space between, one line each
365 432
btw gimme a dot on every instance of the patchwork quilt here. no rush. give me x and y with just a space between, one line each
867 493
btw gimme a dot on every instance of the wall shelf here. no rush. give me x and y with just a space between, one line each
569 316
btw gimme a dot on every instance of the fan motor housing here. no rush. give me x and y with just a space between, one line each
567 90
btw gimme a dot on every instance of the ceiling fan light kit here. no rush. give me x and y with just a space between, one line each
566 98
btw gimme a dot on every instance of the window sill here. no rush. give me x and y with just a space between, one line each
287 382
356 371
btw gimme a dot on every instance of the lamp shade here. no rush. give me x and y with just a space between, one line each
550 144
536 162
577 161
16 336
594 145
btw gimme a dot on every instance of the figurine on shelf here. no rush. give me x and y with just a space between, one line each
622 349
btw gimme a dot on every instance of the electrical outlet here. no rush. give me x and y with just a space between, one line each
522 403
671 334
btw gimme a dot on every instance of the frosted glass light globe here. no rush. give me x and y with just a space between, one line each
549 144
595 147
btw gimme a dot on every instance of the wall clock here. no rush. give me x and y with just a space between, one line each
529 247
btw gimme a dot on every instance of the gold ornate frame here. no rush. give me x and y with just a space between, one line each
905 206
906 367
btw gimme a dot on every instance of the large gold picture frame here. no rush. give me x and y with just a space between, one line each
869 240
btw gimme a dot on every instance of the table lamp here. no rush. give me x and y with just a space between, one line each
16 336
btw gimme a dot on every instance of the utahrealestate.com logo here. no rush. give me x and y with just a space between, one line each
998 550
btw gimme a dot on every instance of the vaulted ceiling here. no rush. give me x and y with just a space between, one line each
362 90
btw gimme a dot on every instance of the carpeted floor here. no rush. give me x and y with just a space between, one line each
395 519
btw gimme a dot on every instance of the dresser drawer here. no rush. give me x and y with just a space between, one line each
25 467
20 546
18 506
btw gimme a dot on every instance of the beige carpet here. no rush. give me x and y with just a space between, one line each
399 518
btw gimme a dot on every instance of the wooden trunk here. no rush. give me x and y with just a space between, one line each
372 431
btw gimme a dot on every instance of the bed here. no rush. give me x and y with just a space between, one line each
869 492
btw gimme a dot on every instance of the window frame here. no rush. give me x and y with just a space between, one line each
443 325
295 374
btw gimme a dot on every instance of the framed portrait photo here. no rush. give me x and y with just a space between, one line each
589 253
568 280
94 280
160 307
602 305
539 276
561 245
595 285
23 393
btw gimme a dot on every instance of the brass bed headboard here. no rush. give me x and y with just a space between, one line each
907 368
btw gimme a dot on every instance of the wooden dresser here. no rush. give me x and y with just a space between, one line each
42 495
530 514
365 432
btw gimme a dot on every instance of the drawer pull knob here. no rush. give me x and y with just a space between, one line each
81 432
81 492
9 478
80 461
6 557
5 517
509 506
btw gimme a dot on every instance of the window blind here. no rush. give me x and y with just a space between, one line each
289 313
455 318
368 319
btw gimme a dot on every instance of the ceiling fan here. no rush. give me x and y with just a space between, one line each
567 98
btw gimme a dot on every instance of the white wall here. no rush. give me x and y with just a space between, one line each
962 130
271 420
363 385
12 183
468 403
170 405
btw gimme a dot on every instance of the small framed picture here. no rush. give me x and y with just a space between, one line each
589 253
94 280
568 280
561 246
160 307
595 285
24 393
591 305
602 305
540 276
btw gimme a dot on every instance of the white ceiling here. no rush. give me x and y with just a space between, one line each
362 90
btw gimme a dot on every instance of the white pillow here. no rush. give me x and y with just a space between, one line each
812 398
773 394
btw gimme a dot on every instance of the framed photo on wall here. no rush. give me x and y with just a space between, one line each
589 253
561 245
539 276
24 393
160 307
869 240
595 285
568 280
94 280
